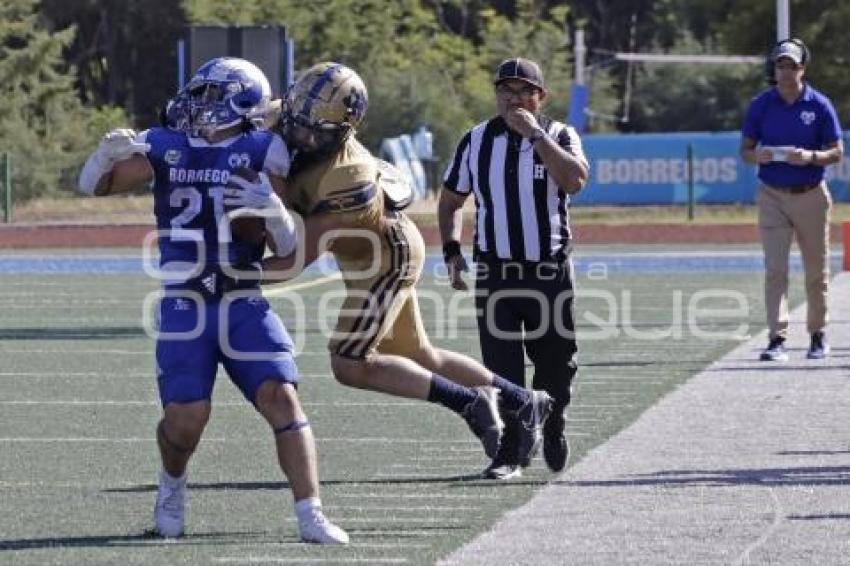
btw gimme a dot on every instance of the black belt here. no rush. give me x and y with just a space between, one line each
492 258
796 189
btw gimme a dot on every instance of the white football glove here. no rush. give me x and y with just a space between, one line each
120 143
280 226
117 145
257 194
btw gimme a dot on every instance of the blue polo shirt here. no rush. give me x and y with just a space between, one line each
809 122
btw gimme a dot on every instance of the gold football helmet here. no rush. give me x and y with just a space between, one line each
323 107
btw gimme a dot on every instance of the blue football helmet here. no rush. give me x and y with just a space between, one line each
324 106
175 115
224 92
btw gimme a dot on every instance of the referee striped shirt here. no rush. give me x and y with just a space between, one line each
521 214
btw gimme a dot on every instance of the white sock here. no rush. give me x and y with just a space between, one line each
168 479
304 507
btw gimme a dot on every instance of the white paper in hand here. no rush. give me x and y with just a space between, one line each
779 152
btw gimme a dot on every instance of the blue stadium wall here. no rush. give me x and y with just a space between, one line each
642 169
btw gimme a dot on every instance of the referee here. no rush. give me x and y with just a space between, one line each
522 167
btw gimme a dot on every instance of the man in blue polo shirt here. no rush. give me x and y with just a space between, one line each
792 132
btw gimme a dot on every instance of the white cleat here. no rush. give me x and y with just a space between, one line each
316 528
169 511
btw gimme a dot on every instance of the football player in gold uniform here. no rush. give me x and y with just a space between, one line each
350 207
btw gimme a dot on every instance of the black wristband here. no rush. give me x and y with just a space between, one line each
537 135
451 249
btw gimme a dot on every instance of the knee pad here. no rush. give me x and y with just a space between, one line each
294 426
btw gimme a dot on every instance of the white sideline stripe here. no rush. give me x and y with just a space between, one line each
108 374
149 352
397 509
280 290
116 403
16 439
396 475
241 440
454 458
114 374
407 532
755 253
390 521
579 406
278 560
421 467
62 485
78 351
473 449
428 496
358 496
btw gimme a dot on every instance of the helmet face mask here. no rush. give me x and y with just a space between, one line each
313 137
176 113
223 93
323 108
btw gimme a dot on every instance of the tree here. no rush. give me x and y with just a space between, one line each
418 68
40 120
125 51
752 30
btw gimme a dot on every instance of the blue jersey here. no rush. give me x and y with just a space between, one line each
242 333
189 179
809 122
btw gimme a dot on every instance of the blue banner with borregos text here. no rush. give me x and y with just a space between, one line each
652 169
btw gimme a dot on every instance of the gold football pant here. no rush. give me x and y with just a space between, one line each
380 311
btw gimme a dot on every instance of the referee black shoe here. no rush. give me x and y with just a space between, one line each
499 470
532 416
556 449
482 416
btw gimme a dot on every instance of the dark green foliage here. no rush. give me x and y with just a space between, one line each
125 51
421 64
425 62
43 124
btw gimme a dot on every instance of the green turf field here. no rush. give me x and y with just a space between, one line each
78 408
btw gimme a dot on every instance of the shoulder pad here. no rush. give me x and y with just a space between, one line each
398 193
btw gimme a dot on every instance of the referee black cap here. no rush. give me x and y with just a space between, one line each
520 69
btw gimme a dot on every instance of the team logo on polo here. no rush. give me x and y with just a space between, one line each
172 157
807 116
239 160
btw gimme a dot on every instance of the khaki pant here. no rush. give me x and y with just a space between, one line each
782 216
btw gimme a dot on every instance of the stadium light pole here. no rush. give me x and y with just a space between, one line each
783 20
580 50
577 111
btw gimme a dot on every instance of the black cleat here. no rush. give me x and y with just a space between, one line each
482 416
532 417
556 449
505 465
501 471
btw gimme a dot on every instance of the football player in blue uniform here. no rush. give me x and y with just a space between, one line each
199 165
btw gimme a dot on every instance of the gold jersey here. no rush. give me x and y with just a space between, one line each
345 185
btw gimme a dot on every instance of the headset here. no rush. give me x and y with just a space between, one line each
770 64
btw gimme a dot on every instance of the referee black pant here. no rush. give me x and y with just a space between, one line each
527 308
